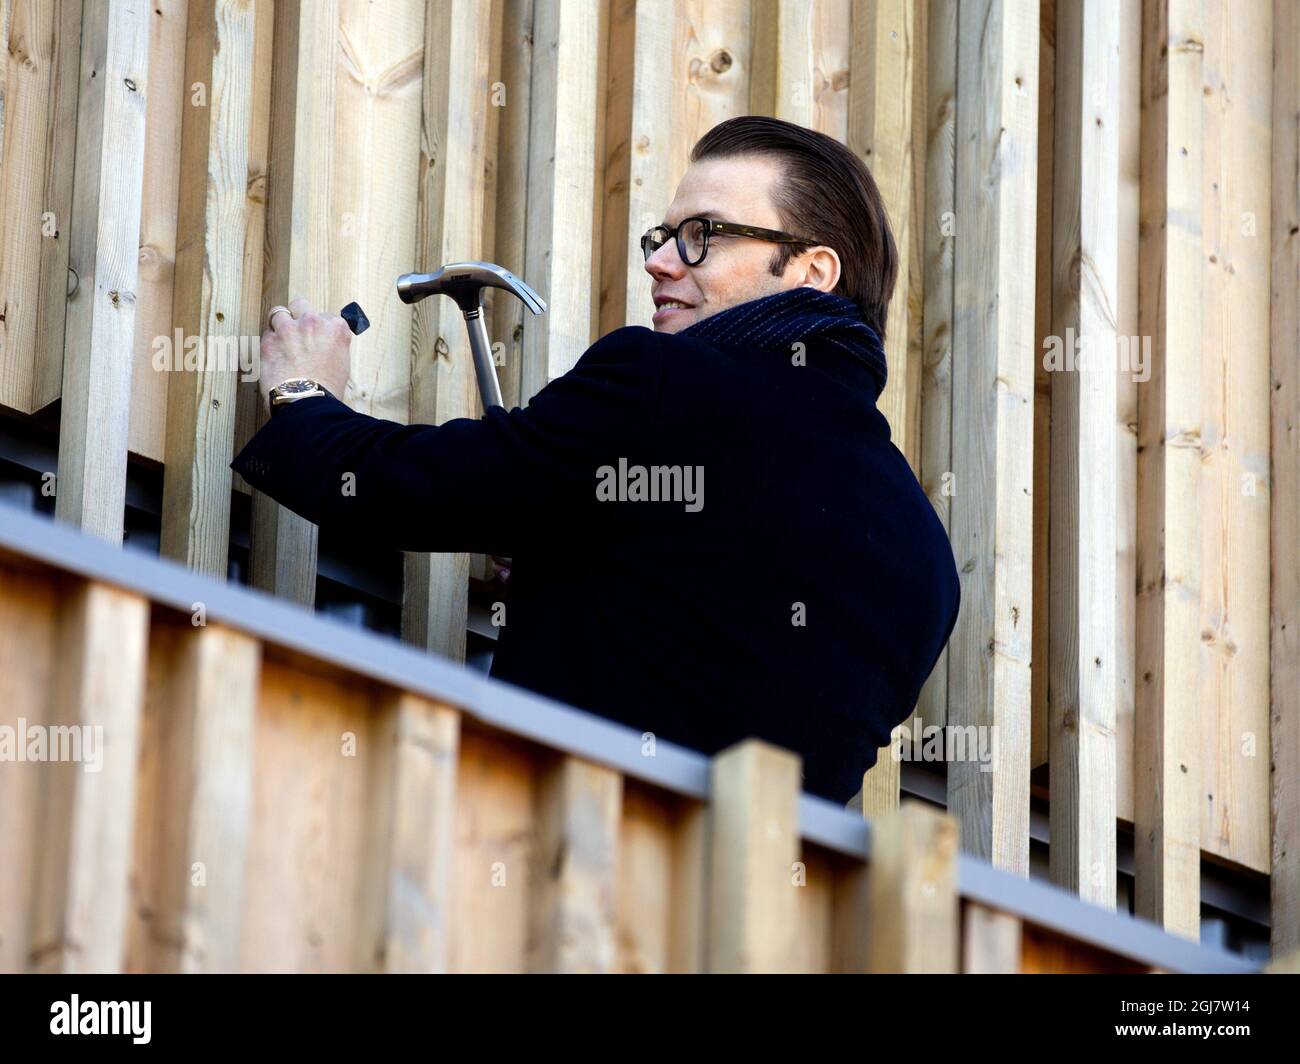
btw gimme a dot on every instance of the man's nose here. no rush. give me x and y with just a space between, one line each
665 264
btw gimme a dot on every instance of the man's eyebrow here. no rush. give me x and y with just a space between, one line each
707 212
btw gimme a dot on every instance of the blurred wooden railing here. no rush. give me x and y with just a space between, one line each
275 791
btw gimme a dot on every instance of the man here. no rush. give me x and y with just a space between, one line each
712 535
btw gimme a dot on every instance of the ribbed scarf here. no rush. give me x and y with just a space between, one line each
786 317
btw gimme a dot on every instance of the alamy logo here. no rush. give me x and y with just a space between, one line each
684 484
102 1017
59 742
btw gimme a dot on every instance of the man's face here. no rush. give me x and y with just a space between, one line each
735 269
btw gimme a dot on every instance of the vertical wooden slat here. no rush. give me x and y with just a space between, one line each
560 251
990 941
754 844
690 911
510 208
88 814
435 604
913 902
1043 384
407 896
1167 771
993 423
255 231
94 416
42 46
208 290
299 223
170 96
677 69
1237 97
880 131
1285 547
574 914
1084 502
938 235
195 806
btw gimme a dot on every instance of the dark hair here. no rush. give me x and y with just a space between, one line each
827 194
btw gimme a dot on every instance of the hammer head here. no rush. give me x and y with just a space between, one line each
464 282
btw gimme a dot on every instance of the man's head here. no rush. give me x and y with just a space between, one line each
764 172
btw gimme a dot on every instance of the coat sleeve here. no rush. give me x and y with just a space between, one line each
495 484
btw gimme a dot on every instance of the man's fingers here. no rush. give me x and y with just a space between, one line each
299 308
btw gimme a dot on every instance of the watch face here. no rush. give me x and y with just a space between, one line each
296 387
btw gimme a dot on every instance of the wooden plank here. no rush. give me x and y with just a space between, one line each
511 93
990 941
1085 403
37 138
885 37
208 287
316 741
171 95
938 233
435 601
800 51
754 846
677 69
29 656
411 827
1043 385
193 815
913 901
496 841
84 861
690 910
993 427
1235 517
647 847
560 252
1284 882
95 412
1131 379
574 915
255 231
1167 783
299 225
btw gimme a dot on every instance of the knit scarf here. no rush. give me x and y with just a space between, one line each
796 314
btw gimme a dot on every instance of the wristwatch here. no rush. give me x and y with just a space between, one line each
292 390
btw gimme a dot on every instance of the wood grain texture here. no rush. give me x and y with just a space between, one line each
753 849
79 921
993 427
913 891
208 288
559 243
1234 519
406 896
38 122
574 911
1167 770
990 941
1284 722
193 815
95 412
1084 488
450 228
171 96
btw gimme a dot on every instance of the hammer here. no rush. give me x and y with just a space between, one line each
464 282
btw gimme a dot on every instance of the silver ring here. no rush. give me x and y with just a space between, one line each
270 315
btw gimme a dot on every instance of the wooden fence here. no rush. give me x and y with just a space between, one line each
262 790
1128 539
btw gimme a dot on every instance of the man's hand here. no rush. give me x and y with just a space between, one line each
305 343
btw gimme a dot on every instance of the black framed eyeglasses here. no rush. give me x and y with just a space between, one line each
692 235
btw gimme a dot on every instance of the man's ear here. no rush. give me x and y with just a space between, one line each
821 268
